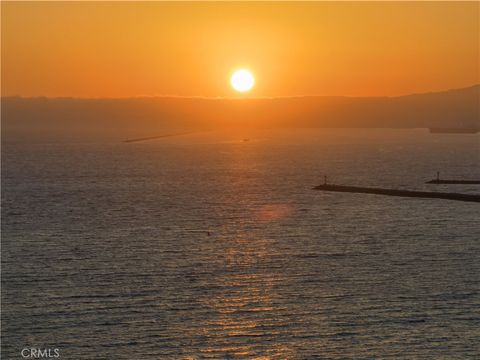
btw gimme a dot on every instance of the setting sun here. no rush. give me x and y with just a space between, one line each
242 80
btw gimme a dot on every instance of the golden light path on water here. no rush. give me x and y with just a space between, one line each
246 304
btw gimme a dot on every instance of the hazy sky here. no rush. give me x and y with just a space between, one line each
119 49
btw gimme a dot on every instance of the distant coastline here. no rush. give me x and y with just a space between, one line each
152 116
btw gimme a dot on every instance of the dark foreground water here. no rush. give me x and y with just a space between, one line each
211 247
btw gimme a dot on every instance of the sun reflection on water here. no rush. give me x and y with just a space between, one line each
244 303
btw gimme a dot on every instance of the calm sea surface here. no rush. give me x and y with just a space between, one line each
214 246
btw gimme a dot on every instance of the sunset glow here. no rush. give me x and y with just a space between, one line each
104 49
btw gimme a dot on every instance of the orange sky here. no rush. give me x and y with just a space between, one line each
121 49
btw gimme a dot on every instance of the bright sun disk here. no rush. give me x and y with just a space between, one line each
242 80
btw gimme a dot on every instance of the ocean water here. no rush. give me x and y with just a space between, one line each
215 246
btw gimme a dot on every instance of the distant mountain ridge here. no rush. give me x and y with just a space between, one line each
68 118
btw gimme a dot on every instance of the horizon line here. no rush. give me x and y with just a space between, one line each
200 97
